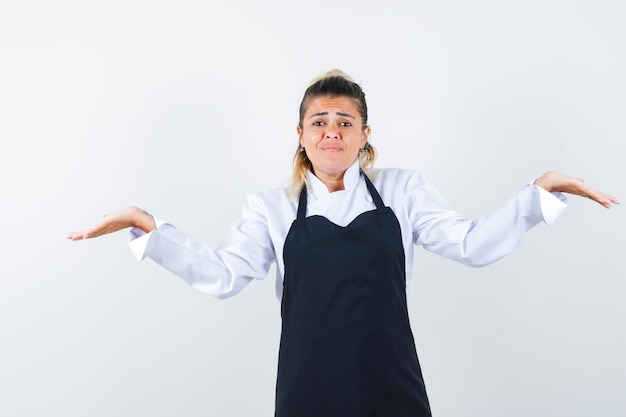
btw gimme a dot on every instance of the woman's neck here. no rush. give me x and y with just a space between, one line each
332 182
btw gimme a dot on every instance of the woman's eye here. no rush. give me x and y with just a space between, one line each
346 124
318 123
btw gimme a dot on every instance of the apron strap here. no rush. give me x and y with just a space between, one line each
302 204
373 192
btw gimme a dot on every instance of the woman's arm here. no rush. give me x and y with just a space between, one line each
440 229
244 254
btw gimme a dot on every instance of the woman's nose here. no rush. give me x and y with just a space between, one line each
332 132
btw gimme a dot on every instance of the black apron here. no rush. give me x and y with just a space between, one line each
346 347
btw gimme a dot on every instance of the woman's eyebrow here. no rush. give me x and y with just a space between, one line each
325 113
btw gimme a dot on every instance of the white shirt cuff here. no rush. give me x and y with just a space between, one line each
552 204
138 240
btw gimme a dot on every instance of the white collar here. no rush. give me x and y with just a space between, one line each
350 180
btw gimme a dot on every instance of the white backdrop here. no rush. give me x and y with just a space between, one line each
184 107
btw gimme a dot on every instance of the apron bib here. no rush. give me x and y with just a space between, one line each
346 347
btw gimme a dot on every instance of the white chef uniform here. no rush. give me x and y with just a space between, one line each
256 240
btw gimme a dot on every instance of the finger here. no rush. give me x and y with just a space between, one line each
584 191
603 199
86 234
76 235
607 200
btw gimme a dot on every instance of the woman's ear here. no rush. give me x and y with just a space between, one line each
366 134
299 131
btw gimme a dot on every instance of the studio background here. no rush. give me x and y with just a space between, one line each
184 107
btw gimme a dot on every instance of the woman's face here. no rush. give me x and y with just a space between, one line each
332 135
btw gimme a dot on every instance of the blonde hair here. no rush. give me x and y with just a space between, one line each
334 83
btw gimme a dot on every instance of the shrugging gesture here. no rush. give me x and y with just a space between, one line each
132 216
343 248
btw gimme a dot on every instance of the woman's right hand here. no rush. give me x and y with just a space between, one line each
555 181
127 217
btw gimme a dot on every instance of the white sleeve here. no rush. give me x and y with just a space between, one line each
244 254
552 204
483 241
138 239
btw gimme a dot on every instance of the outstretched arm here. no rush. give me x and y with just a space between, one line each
244 254
555 181
480 242
118 220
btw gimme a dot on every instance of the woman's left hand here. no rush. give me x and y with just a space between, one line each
555 181
121 219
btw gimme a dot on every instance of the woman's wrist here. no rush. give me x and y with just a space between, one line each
544 181
144 220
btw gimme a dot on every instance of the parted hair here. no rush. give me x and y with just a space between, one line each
334 83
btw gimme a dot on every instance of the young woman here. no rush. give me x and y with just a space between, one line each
342 237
